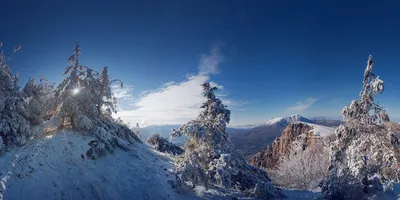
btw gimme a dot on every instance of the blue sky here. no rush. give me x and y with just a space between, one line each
270 58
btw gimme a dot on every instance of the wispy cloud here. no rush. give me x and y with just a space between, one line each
176 102
122 92
209 63
337 100
171 104
302 106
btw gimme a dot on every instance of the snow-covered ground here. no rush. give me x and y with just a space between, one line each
290 194
53 168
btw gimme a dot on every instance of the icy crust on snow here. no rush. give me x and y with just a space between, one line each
56 167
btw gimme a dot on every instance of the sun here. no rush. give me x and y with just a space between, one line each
75 91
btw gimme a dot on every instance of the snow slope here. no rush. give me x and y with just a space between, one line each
52 168
320 130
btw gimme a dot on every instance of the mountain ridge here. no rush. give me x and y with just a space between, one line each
287 120
248 140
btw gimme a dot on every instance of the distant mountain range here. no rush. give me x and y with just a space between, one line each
337 118
284 121
249 140
165 130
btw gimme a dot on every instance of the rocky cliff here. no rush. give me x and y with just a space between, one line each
395 129
269 157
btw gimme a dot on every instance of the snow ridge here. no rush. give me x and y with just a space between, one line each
284 121
320 130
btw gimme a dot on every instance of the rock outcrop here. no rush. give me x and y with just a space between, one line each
269 157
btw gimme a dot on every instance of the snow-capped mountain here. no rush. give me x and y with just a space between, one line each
284 121
255 139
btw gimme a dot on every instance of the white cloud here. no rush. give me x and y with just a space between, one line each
172 104
213 84
169 83
122 92
233 103
209 63
303 105
175 103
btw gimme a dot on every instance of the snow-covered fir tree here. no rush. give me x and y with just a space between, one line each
362 157
138 131
108 102
74 71
38 99
210 158
83 103
14 127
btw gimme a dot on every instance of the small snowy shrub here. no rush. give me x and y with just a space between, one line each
97 150
302 170
83 122
104 137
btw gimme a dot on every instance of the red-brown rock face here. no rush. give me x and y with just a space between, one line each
269 157
395 128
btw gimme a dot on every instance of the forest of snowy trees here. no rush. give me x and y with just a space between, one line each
362 157
14 125
83 101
